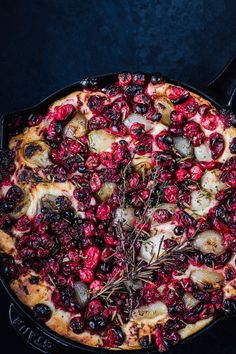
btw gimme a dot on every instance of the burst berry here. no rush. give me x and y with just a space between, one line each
196 173
103 212
77 324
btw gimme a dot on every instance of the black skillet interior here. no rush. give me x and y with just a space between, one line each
54 342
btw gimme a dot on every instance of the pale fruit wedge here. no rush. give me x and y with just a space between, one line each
211 181
155 311
203 153
76 127
106 191
137 118
207 279
124 216
201 202
209 241
100 140
189 301
154 247
183 146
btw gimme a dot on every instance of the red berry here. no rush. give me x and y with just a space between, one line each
106 254
96 285
216 144
95 182
182 174
42 228
94 307
63 112
92 161
86 275
137 130
89 228
92 256
74 147
103 212
23 224
107 159
210 121
196 173
171 193
161 215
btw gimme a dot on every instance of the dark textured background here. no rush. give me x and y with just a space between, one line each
48 44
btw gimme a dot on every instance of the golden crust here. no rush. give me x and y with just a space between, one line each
30 294
7 243
190 329
59 323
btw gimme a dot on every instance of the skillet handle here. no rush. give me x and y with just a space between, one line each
223 86
32 335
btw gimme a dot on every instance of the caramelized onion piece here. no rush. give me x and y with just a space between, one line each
183 146
81 293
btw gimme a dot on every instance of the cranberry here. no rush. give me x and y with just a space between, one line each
124 78
103 212
216 144
139 78
232 146
164 141
171 194
63 112
146 342
15 194
5 222
178 230
161 215
188 108
94 307
144 145
196 173
97 323
92 256
193 132
140 108
137 130
97 122
107 159
86 275
96 103
23 224
209 121
96 286
95 183
92 161
77 323
80 194
115 337
182 174
42 312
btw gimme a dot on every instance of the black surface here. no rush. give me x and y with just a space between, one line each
46 45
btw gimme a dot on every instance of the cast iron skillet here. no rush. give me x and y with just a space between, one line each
222 88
